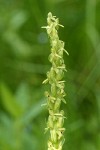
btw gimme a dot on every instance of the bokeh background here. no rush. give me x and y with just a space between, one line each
24 51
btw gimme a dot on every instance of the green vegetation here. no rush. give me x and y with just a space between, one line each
56 92
24 51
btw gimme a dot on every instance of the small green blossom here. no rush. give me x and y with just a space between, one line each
55 78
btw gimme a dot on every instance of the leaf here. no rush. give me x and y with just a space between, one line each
32 113
5 120
22 96
9 101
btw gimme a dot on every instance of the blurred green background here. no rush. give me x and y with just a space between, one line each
24 51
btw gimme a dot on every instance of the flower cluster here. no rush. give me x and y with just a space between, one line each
55 78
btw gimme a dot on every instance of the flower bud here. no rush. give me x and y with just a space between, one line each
53 135
59 74
53 89
57 105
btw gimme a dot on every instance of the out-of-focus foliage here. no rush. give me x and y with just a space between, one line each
24 51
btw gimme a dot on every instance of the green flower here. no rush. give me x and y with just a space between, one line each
56 93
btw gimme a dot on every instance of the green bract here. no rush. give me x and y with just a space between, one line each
55 78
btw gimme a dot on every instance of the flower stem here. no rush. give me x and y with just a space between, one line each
55 78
